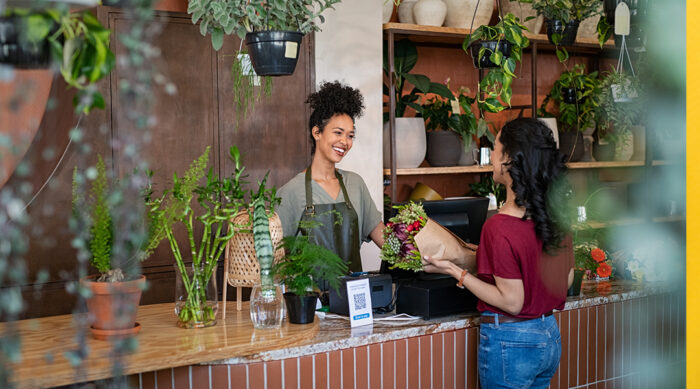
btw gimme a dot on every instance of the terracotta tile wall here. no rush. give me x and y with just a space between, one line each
631 344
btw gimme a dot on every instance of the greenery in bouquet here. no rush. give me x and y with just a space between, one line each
399 247
594 261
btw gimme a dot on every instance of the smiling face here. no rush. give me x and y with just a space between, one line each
335 141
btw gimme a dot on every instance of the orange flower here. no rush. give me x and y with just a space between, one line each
598 255
604 270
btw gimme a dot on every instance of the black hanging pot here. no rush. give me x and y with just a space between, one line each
485 61
301 309
21 55
567 31
274 53
575 288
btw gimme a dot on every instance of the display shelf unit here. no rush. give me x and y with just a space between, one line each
451 37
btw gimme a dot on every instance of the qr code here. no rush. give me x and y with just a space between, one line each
360 302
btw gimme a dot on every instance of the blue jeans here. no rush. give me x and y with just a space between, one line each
519 355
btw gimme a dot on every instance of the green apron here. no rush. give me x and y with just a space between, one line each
336 225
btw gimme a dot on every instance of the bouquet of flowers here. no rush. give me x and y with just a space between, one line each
593 260
411 234
399 237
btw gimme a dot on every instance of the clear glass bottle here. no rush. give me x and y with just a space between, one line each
266 306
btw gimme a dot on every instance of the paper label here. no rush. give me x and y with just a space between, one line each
359 302
622 19
290 49
455 107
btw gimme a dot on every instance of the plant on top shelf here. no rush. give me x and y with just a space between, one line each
621 106
576 97
500 48
76 40
220 199
304 266
405 58
563 18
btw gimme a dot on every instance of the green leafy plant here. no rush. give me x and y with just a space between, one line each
220 200
305 264
604 30
485 186
621 105
565 10
79 42
582 113
497 82
405 58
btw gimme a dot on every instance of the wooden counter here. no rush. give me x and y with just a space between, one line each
326 353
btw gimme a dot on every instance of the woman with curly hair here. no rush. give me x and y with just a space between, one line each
330 205
518 283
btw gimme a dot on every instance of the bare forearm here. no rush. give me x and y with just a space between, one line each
377 235
488 293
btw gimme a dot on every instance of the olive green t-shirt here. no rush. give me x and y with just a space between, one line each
293 196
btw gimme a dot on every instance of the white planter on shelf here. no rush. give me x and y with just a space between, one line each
430 12
461 12
410 143
552 124
624 149
387 10
405 10
522 11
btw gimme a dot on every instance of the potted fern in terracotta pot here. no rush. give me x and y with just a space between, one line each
114 293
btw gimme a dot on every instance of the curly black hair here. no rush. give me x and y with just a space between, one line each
538 171
331 99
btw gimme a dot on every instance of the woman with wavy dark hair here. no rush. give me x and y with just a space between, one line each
523 270
332 206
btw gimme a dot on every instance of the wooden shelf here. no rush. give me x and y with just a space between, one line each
488 168
668 219
450 35
597 225
599 165
663 162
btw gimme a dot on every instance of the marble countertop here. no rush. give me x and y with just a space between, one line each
161 344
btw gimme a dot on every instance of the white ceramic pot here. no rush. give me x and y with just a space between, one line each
430 12
522 11
461 12
410 143
624 149
552 124
406 11
588 27
387 10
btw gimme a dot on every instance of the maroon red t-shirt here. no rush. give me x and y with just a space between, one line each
510 249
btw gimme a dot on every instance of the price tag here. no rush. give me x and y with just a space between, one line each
359 302
455 106
290 49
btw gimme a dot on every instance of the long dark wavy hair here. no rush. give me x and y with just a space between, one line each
331 99
539 183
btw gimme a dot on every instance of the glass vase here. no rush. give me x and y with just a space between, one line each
266 306
196 302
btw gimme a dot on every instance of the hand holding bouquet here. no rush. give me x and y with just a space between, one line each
410 235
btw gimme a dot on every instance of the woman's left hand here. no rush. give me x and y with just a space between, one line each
432 265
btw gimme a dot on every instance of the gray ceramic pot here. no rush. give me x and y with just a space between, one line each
444 148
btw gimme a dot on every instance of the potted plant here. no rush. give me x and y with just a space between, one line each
411 130
575 96
304 265
499 48
114 293
196 299
443 143
76 40
564 16
619 110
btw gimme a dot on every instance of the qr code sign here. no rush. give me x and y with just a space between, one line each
360 302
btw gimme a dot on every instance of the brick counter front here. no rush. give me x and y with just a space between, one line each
610 340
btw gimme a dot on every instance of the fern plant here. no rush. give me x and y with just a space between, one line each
306 264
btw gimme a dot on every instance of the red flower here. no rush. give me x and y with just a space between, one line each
604 270
410 227
603 288
416 225
598 255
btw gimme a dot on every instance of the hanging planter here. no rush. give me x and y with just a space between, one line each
562 34
484 61
638 10
274 53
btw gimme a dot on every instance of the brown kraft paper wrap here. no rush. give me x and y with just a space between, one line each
438 242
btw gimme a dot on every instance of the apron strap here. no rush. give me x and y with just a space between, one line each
342 187
309 198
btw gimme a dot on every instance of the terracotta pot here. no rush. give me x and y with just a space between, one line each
430 12
461 12
113 305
